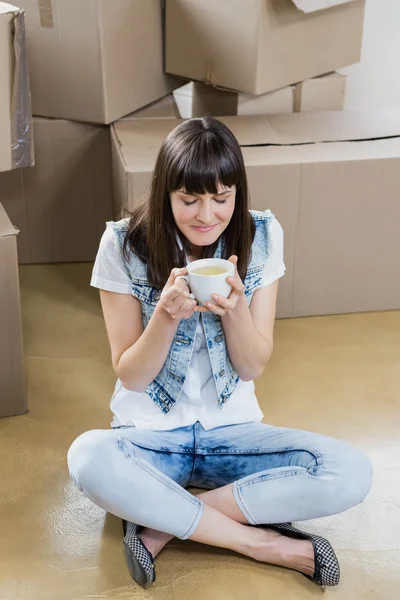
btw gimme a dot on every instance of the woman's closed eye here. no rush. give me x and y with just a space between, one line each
217 200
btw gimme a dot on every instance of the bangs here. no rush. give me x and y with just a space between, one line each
204 164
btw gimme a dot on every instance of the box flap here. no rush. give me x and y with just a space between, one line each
252 130
164 108
313 127
6 227
140 140
309 6
6 8
260 156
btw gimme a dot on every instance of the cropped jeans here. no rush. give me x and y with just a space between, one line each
278 474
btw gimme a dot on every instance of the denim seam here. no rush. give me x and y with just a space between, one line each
174 487
195 522
272 477
195 443
172 449
195 450
241 505
316 454
193 470
165 449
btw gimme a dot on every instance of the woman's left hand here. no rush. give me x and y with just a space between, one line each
220 306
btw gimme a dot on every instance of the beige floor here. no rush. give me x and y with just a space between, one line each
335 375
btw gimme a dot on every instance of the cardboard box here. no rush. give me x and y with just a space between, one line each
340 249
62 203
94 60
16 149
320 93
166 107
12 378
256 46
198 100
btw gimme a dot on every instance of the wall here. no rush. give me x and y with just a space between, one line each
375 81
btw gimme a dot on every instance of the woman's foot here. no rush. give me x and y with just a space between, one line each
281 545
154 540
327 568
266 546
140 561
272 547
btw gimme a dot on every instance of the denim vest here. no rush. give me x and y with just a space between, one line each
165 389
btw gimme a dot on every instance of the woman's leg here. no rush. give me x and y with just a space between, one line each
305 476
279 475
136 491
221 499
117 475
216 528
134 483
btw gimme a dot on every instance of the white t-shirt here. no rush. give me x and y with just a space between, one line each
198 400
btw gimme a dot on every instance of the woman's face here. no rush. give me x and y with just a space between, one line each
202 219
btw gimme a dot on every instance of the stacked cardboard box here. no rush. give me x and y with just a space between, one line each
89 63
269 57
257 46
12 378
62 203
16 148
325 92
95 60
16 151
195 99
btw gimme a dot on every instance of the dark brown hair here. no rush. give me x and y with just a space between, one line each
196 156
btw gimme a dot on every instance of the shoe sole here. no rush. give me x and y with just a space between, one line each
136 570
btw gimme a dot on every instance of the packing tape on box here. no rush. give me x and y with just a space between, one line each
21 109
46 13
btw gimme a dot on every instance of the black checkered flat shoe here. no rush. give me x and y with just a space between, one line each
327 569
140 560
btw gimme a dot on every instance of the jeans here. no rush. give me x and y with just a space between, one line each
278 474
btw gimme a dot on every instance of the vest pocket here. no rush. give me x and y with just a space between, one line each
144 292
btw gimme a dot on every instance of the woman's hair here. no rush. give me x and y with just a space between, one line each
196 156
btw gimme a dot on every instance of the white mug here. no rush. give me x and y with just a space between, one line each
204 286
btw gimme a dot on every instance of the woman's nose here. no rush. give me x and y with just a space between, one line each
206 215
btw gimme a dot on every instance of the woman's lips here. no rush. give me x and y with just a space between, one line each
204 229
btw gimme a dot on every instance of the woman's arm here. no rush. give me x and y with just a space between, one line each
249 332
137 355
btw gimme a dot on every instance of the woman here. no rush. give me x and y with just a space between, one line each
185 411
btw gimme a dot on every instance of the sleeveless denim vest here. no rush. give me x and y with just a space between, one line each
165 389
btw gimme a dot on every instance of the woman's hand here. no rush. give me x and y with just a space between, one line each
220 306
175 298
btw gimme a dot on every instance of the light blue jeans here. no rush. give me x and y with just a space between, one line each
278 474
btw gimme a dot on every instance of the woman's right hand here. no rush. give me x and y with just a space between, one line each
175 296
